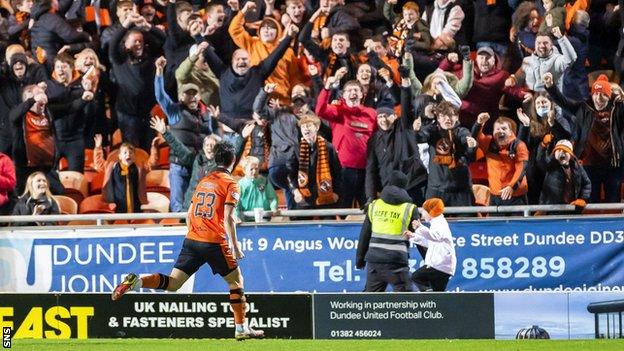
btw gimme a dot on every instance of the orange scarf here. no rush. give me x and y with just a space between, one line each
331 62
324 187
318 24
75 76
400 33
445 151
20 17
125 172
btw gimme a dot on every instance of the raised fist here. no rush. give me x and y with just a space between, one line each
340 73
483 117
417 124
385 74
160 64
87 96
313 70
510 82
548 80
471 142
250 6
556 31
453 57
292 30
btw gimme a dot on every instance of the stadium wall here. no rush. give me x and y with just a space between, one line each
563 315
569 254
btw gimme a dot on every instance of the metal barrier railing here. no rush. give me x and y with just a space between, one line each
101 218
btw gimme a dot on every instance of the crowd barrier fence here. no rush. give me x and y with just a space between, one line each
525 211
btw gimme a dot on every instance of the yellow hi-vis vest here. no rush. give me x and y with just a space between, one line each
388 222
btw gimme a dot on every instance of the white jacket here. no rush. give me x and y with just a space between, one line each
535 67
439 243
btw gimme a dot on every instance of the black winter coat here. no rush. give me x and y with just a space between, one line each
11 92
334 168
394 149
441 176
25 206
583 115
17 130
284 132
176 47
50 32
554 181
491 22
68 108
237 93
134 77
619 54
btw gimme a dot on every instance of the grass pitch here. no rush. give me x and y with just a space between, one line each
315 345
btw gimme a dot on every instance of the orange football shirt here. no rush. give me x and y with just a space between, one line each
207 219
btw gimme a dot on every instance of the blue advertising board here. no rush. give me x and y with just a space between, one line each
584 254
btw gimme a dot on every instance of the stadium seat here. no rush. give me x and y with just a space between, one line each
156 203
158 181
89 159
116 139
96 204
63 165
89 174
76 186
478 173
96 184
67 205
163 157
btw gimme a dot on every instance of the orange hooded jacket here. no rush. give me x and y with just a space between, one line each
286 74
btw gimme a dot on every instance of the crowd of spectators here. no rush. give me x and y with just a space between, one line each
323 99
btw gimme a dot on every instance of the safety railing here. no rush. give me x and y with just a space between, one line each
259 216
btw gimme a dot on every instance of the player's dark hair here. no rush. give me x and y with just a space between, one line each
224 153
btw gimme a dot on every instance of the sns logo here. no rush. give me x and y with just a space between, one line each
26 271
6 337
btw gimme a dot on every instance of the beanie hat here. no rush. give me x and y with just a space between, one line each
18 57
602 85
565 146
398 179
12 50
384 111
434 206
